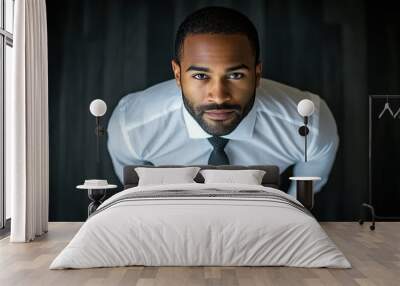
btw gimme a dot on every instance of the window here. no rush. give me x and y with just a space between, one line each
6 64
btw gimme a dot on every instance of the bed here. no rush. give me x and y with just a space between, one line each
198 224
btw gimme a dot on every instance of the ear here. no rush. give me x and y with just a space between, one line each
177 72
258 73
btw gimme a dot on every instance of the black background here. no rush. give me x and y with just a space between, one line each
341 50
385 155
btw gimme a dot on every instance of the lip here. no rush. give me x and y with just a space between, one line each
219 114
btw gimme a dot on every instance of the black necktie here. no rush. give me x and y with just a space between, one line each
218 155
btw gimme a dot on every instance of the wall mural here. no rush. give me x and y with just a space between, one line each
183 90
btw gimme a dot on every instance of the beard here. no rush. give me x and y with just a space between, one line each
216 127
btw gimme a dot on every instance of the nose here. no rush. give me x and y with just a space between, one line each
219 92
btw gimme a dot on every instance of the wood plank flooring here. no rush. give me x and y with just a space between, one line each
374 255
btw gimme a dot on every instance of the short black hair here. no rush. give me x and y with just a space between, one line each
216 20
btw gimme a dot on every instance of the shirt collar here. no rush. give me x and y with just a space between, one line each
242 132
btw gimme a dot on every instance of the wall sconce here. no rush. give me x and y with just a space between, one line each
305 109
98 108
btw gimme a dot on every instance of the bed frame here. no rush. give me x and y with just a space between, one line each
270 179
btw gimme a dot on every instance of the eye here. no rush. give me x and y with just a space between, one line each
235 75
200 76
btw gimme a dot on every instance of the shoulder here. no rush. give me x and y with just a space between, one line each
140 116
162 96
280 101
150 104
277 101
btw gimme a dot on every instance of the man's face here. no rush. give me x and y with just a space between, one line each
218 77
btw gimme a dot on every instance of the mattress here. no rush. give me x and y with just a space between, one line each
201 225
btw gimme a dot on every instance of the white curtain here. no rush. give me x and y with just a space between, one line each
27 120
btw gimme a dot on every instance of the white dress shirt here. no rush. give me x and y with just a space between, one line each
153 127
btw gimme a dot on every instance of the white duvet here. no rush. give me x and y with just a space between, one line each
219 231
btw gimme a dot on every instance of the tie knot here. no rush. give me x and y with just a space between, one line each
218 142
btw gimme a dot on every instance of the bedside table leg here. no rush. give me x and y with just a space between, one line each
96 197
371 208
304 193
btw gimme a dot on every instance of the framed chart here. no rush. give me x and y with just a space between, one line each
384 156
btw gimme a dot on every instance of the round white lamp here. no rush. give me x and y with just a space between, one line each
98 108
305 108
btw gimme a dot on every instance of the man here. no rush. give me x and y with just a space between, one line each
218 110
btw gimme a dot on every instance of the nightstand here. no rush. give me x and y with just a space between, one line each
96 195
304 190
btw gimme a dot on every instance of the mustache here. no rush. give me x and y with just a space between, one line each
214 106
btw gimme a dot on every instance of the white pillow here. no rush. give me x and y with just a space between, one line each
248 177
163 176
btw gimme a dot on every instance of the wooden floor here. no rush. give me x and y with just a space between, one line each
374 255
